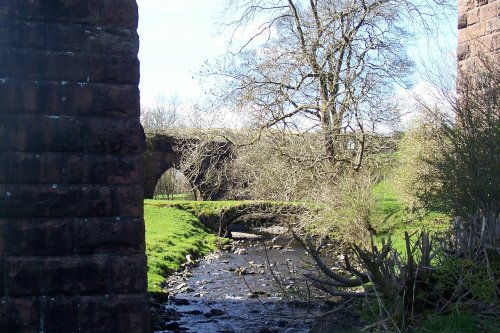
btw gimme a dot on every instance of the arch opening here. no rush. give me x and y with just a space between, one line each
173 185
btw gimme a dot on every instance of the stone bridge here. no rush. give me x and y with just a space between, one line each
164 152
72 250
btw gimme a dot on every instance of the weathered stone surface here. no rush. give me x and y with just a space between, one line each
77 275
477 23
39 237
23 276
99 313
35 98
116 13
57 308
128 273
101 100
114 235
20 315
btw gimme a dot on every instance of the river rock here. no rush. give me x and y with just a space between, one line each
181 286
181 301
214 313
240 251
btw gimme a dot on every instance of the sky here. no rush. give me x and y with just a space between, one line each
177 37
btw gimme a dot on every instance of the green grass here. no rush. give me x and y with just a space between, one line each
391 217
171 234
174 229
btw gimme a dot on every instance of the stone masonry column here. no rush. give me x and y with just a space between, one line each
71 212
478 31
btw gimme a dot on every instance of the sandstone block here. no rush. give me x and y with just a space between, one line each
495 44
20 315
129 273
24 276
51 201
2 283
4 64
61 314
34 98
117 13
489 11
47 65
42 133
472 16
27 168
101 100
109 235
466 5
102 169
492 26
40 237
80 275
128 201
99 313
6 9
26 35
115 136
463 52
114 70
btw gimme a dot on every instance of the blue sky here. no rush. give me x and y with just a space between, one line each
178 36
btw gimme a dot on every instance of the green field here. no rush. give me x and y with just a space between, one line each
391 217
171 234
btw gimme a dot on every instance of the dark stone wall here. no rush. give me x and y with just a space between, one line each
71 213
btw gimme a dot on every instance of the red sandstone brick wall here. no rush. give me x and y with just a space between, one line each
71 213
479 29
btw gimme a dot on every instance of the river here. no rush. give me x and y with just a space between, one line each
237 291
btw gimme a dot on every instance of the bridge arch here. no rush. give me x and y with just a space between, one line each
163 153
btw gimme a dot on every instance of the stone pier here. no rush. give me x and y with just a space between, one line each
478 30
71 198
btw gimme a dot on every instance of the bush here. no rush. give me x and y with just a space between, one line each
414 176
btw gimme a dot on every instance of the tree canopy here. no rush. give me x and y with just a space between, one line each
319 65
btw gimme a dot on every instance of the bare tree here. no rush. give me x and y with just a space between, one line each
320 64
161 116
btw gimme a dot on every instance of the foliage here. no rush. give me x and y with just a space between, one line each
458 276
218 215
172 184
163 115
205 160
325 66
414 177
468 171
451 323
171 234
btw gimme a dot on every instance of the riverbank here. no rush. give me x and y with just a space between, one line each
173 234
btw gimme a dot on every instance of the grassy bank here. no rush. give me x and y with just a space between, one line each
171 234
174 230
391 217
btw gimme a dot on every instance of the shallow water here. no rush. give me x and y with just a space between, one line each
237 292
